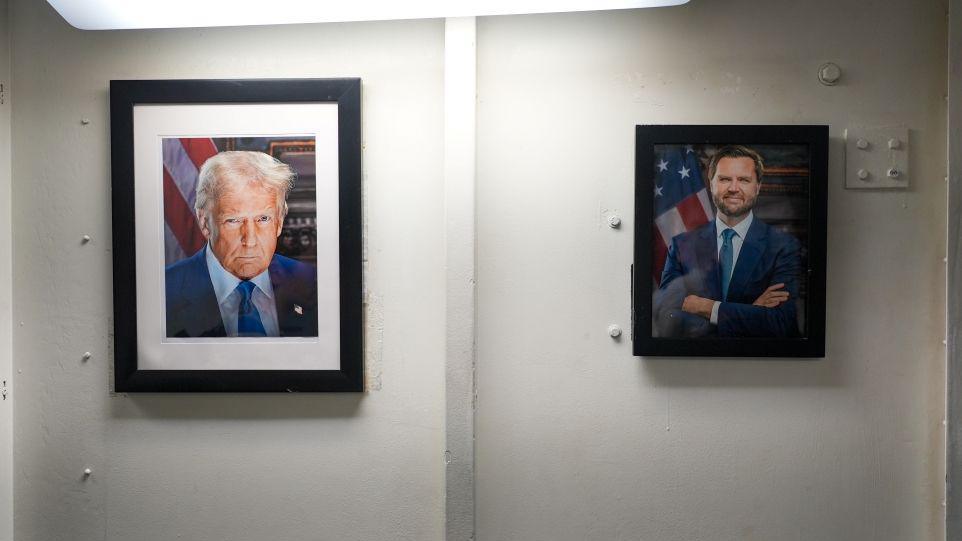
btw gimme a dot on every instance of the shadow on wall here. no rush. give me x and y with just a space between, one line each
735 373
842 360
231 406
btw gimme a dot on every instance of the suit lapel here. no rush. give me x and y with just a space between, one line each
751 253
201 314
706 253
290 314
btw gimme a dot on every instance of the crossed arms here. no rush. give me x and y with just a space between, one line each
764 305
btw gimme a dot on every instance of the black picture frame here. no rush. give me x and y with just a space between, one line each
650 336
125 96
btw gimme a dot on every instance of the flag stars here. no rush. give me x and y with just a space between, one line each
662 165
658 191
685 172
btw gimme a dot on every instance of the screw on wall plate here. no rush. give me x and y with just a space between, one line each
87 472
894 143
85 239
894 173
862 174
86 356
85 121
614 331
829 73
861 144
614 222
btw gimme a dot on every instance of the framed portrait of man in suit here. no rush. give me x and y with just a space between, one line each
237 244
730 241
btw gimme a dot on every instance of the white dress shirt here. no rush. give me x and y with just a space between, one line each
737 240
229 299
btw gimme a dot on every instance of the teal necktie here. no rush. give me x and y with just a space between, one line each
727 259
248 318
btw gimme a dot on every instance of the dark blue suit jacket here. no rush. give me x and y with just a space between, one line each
767 257
192 309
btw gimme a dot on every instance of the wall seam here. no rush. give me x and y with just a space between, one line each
460 105
953 466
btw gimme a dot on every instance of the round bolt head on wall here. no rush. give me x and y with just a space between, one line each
829 73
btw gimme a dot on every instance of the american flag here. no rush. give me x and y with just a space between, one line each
682 202
183 158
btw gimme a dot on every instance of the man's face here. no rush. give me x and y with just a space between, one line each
242 229
734 187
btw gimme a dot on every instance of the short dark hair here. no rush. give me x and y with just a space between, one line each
736 151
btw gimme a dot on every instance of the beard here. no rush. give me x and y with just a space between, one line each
731 207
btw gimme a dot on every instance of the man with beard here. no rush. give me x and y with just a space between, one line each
735 276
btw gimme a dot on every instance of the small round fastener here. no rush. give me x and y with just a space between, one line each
85 239
86 356
85 121
894 143
614 331
862 174
614 222
894 173
829 73
861 144
87 472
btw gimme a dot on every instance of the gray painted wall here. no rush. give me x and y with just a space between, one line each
953 524
579 440
6 289
238 467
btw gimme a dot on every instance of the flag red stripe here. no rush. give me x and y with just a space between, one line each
180 218
198 149
692 213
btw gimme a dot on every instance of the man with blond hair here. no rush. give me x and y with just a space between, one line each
236 285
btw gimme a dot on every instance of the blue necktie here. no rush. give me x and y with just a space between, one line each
727 259
248 318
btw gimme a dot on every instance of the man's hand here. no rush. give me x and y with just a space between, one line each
771 297
699 306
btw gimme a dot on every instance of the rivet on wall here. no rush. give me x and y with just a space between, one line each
614 331
85 121
85 239
614 222
87 472
829 73
86 356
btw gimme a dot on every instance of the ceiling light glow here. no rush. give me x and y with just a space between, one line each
129 14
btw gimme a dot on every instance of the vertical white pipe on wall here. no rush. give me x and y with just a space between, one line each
6 287
953 466
460 91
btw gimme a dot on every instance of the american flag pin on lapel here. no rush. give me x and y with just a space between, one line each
298 310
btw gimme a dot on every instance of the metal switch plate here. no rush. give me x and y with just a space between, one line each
877 158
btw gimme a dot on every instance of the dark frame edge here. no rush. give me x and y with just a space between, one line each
124 95
811 347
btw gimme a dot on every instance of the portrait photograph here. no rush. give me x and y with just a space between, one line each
240 237
730 241
237 220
